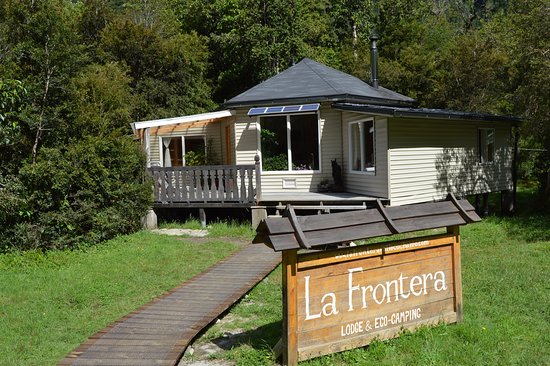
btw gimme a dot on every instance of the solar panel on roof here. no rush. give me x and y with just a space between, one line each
256 111
292 108
274 110
283 109
310 107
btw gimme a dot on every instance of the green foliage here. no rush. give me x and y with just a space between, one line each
195 158
87 193
272 157
72 70
52 301
101 101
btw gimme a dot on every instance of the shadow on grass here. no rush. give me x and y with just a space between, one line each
261 338
531 221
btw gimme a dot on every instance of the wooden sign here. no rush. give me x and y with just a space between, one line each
342 299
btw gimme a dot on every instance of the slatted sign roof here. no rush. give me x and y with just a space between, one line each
318 231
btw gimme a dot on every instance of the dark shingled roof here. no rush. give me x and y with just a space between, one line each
310 81
426 113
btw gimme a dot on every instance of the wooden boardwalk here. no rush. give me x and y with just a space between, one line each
159 332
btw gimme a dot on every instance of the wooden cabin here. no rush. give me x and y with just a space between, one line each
317 137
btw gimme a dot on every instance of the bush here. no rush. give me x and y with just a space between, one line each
89 192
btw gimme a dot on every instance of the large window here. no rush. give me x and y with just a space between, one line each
486 145
183 151
362 146
290 142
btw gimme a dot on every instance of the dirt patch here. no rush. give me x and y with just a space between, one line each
181 232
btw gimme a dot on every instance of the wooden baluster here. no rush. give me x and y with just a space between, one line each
177 193
184 183
232 184
198 184
162 182
205 189
220 185
243 185
213 188
156 188
250 197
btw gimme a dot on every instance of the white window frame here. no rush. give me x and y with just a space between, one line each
161 146
288 144
362 147
483 146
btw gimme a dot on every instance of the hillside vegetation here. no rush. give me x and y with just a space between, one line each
74 74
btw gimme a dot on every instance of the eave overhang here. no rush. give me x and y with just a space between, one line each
424 113
337 98
182 120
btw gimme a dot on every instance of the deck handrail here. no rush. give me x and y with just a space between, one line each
207 184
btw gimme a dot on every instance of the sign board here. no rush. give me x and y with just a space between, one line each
342 299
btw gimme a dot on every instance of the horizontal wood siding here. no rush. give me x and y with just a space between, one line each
363 183
246 146
211 131
272 182
429 158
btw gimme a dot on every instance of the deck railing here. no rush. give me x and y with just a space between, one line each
207 184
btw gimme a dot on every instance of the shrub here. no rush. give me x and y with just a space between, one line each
91 191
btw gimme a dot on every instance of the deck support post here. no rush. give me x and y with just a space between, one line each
507 202
149 221
259 213
258 172
202 217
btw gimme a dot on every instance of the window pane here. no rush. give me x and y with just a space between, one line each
355 147
172 151
195 151
490 145
486 145
368 150
304 142
274 143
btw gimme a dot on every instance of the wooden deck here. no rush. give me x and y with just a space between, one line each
317 200
206 186
159 332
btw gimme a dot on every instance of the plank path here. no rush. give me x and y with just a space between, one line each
159 332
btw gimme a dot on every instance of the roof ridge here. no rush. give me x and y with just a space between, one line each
321 77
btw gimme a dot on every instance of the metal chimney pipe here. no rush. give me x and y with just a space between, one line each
374 60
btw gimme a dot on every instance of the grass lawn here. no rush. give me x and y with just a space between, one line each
506 295
51 302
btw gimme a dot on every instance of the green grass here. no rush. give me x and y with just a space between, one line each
51 302
506 295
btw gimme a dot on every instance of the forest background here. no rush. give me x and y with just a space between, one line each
74 74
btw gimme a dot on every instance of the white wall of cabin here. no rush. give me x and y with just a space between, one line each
429 158
366 183
247 146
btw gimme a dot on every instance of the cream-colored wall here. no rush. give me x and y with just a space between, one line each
428 158
365 182
211 131
247 137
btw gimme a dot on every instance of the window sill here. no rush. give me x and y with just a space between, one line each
358 172
286 172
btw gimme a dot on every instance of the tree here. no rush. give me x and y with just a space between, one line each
530 47
167 72
43 51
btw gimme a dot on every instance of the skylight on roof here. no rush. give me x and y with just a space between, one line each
256 111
